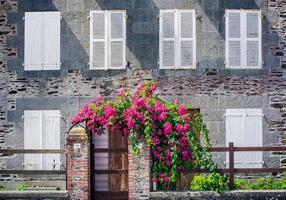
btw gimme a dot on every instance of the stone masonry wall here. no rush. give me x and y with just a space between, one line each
227 88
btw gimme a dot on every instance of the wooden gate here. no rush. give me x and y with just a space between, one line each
109 164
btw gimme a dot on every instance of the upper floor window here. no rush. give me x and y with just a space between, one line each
42 131
42 41
107 40
177 39
243 39
244 129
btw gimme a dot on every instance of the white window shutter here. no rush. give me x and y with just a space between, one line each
101 161
98 40
187 42
117 24
51 138
235 134
233 39
253 134
33 138
51 40
167 39
253 39
244 129
33 58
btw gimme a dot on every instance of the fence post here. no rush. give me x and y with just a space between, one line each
231 166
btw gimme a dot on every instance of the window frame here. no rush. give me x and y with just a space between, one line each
177 39
243 38
107 39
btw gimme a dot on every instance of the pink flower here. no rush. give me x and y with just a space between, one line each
180 128
162 116
155 141
167 129
166 179
155 180
186 128
109 111
168 163
160 132
168 154
130 123
182 110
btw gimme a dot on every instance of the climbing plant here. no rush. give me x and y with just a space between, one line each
172 133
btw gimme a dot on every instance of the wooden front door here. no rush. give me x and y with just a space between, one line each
109 162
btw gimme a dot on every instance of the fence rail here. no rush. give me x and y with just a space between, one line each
231 170
32 151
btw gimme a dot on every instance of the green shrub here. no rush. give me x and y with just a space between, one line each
211 182
268 183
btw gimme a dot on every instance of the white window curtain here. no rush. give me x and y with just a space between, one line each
107 40
42 131
177 44
244 129
42 41
243 39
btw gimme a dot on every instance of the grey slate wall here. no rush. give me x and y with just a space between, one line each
210 87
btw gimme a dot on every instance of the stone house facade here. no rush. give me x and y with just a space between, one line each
209 85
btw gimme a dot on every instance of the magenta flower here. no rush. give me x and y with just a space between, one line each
109 111
155 180
162 117
130 123
167 129
182 110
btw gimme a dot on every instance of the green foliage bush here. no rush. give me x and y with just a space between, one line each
268 183
211 182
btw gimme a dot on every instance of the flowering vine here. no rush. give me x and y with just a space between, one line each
172 132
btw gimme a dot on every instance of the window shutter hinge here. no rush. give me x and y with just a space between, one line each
126 17
88 17
158 16
23 18
88 64
61 18
23 64
158 63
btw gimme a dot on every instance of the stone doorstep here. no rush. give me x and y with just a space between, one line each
33 194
